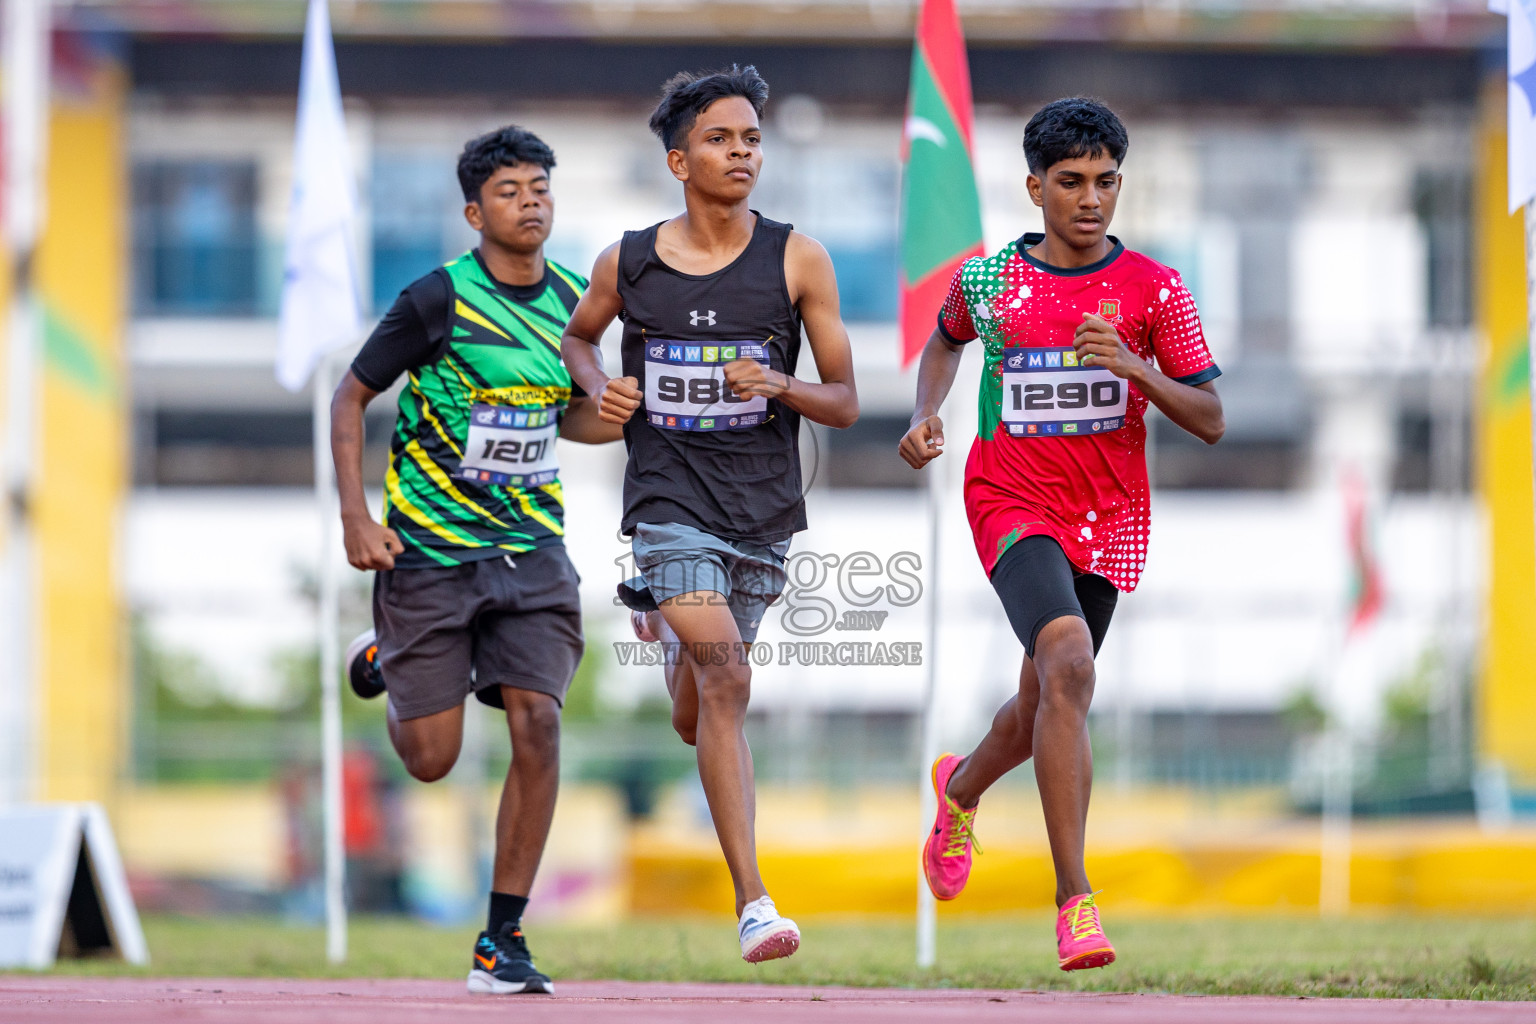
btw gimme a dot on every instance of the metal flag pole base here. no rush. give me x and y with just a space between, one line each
1338 797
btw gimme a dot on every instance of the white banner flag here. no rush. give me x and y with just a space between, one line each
320 293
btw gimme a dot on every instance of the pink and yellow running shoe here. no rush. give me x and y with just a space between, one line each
1080 938
947 854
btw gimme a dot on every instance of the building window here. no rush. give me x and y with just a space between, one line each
1442 202
241 448
411 197
864 455
1266 445
194 238
1431 448
866 280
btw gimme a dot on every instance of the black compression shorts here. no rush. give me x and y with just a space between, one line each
1037 584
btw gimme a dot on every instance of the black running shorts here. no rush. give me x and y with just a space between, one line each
1037 584
514 620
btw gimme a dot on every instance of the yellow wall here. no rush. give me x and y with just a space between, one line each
1403 870
1506 711
232 832
855 852
80 280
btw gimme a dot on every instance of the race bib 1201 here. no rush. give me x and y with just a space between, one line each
511 446
1046 391
685 386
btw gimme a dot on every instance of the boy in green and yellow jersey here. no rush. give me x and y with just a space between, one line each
474 592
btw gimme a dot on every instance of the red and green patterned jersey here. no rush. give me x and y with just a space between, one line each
1061 447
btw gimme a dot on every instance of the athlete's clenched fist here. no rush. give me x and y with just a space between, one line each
369 545
923 443
1098 345
620 398
748 378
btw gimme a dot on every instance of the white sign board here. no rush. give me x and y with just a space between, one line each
62 887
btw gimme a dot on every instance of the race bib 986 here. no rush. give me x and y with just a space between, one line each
511 446
685 386
1046 391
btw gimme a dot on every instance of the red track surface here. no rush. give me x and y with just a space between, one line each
49 999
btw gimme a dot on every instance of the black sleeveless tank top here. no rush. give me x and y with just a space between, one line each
697 455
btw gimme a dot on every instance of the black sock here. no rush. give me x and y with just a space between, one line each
505 909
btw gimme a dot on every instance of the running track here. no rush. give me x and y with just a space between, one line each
51 999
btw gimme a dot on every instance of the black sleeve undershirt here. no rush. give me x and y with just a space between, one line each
412 334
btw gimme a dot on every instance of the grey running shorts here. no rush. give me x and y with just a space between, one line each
514 620
674 559
1037 584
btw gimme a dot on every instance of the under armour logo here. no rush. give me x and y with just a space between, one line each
707 318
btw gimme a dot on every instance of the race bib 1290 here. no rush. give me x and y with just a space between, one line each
511 446
1046 391
685 386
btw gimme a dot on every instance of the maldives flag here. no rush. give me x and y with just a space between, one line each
1367 592
940 209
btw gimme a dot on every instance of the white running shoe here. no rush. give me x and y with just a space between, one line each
642 628
764 934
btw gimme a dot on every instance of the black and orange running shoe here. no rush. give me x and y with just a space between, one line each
503 965
362 661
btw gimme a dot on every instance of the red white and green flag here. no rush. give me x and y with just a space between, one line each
1367 591
940 208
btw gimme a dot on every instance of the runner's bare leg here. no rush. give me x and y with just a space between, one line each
528 795
1006 745
677 669
723 683
428 746
1063 757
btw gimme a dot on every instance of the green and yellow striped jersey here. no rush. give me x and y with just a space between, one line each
472 471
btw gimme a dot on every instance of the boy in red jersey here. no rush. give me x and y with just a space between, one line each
1056 482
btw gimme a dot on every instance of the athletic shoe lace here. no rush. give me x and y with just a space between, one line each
962 830
511 942
1083 919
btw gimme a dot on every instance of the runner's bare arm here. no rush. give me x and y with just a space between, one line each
369 545
1195 407
813 288
582 424
924 442
617 397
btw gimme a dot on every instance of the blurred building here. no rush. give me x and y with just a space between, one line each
1309 167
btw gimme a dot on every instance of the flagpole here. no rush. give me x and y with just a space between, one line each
320 314
27 25
1356 615
330 673
1337 791
927 908
1337 809
935 204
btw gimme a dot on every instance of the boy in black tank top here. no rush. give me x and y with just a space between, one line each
713 302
